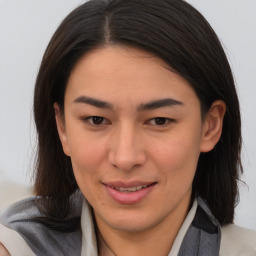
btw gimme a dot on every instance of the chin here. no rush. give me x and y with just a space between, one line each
132 222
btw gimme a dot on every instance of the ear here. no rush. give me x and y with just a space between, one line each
59 117
212 126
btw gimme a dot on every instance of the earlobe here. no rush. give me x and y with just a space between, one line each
61 128
212 127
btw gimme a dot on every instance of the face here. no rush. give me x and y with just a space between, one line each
134 132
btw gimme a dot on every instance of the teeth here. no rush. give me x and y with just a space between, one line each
132 189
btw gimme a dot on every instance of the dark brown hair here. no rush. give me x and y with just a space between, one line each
170 29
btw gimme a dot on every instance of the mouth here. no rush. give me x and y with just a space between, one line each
130 189
129 193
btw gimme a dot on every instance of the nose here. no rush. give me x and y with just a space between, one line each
126 149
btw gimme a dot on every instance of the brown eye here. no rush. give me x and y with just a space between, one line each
96 120
160 120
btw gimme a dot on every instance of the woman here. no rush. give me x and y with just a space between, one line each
139 138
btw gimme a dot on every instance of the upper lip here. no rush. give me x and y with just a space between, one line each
128 184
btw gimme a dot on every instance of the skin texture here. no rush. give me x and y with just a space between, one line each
3 251
130 144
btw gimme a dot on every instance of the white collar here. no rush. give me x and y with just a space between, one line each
183 230
89 241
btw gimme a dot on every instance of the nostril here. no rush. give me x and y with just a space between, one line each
125 154
125 164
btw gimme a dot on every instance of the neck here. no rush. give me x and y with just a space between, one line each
156 240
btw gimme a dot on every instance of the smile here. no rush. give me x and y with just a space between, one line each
129 194
130 190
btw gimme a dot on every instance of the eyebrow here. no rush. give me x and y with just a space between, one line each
94 102
155 104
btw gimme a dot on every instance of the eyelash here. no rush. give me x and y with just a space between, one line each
164 121
91 120
161 119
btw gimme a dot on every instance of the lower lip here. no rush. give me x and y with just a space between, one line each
129 198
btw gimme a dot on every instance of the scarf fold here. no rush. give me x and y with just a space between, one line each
203 235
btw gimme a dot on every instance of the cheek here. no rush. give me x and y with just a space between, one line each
178 155
85 165
85 150
87 157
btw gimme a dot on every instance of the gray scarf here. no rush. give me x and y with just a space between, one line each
204 234
201 239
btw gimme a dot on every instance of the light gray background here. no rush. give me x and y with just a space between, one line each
25 29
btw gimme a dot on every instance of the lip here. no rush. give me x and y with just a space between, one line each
129 198
128 184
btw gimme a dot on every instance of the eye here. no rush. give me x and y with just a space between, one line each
96 120
160 121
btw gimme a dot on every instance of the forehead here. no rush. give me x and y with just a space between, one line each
127 74
115 61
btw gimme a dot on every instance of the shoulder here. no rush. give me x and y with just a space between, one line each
8 235
9 238
23 226
236 241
